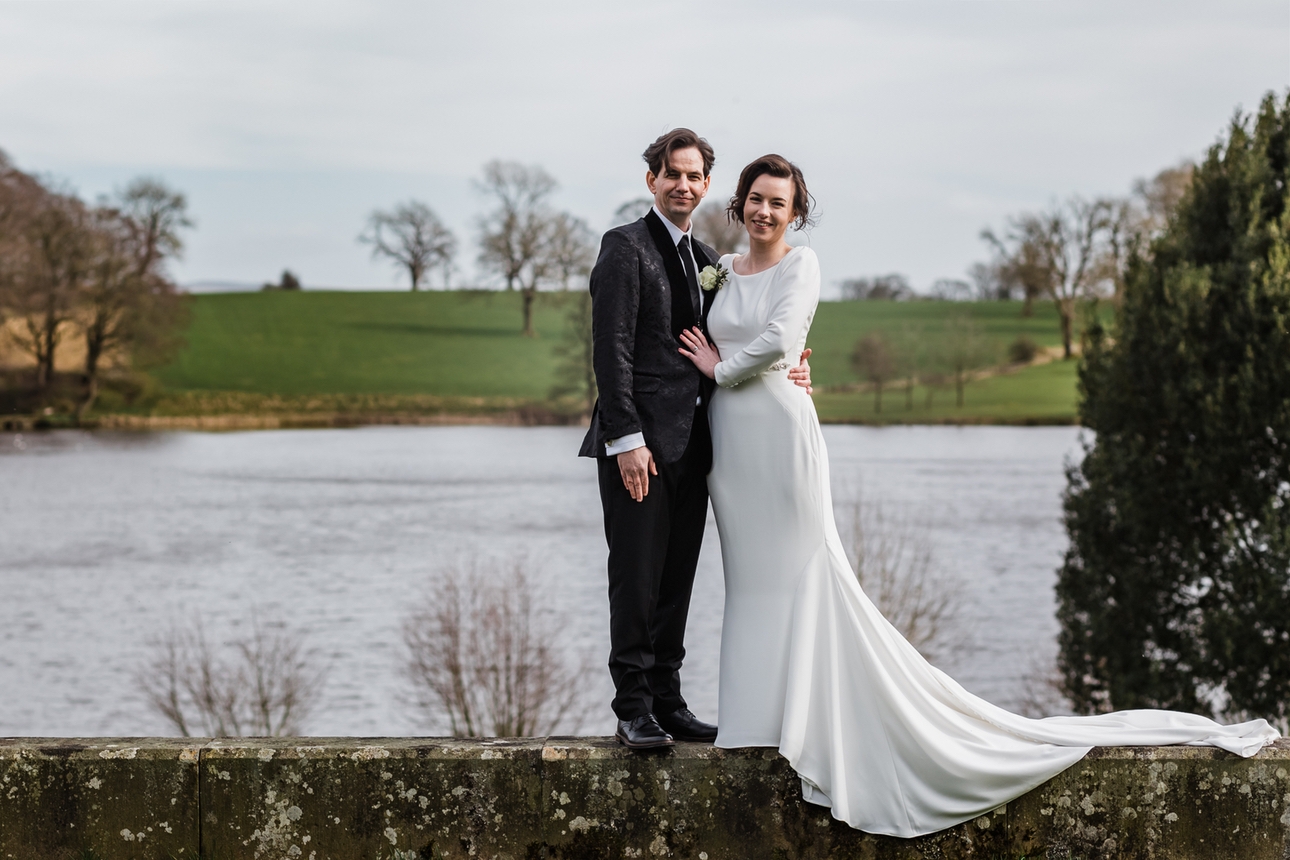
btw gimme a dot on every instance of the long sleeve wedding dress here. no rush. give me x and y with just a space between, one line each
808 664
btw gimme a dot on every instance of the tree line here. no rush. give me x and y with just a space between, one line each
1073 253
522 240
71 269
944 357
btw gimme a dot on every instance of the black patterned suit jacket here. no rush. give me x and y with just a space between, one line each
640 302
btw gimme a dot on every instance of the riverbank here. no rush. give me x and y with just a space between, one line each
1037 394
272 360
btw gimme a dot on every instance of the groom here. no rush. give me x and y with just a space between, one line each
649 435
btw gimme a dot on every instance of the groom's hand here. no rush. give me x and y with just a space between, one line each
802 373
636 466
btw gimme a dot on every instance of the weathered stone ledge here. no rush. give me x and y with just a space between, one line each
565 798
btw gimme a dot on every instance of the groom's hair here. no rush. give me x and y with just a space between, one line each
658 153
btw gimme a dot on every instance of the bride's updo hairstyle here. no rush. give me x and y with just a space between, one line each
780 167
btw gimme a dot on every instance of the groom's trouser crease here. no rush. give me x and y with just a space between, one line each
653 552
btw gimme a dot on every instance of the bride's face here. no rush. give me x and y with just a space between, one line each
768 209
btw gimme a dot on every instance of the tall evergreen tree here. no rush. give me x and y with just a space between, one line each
1175 591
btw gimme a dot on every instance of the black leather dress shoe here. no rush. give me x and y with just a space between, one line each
643 733
685 726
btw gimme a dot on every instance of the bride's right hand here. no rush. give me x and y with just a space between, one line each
703 354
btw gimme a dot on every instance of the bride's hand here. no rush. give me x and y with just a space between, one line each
801 375
703 354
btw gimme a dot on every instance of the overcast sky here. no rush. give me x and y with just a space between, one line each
917 123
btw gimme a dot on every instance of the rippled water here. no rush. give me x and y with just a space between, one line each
107 538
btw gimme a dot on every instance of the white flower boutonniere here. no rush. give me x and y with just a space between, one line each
713 277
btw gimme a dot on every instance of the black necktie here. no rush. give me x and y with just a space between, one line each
687 260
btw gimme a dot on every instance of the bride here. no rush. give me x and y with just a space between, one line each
808 664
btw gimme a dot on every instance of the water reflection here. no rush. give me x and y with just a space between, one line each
109 537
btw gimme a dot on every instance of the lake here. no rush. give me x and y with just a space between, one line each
107 539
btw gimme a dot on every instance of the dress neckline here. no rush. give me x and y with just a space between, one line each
767 269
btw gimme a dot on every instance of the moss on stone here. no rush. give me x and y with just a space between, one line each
580 798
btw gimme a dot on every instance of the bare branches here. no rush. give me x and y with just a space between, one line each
874 359
571 249
413 238
484 656
576 372
515 238
964 347
952 290
1160 196
523 241
262 684
65 266
1042 686
894 564
891 287
153 214
46 266
124 302
1057 252
713 227
633 210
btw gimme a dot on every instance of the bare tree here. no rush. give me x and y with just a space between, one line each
154 214
571 248
1136 220
1060 251
912 354
413 238
988 285
484 657
891 287
952 290
894 563
1042 694
514 238
45 276
65 266
633 210
576 373
964 348
1159 196
872 359
263 684
122 307
713 227
20 196
933 380
1021 269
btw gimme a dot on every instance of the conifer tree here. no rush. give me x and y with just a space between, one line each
1175 591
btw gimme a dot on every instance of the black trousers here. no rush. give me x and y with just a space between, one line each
653 551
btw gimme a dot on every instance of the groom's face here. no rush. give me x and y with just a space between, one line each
681 186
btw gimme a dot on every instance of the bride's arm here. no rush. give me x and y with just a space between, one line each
797 294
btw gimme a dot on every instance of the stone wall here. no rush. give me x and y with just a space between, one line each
566 798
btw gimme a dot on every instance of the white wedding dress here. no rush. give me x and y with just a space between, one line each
808 664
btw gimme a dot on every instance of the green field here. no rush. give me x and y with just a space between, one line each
403 346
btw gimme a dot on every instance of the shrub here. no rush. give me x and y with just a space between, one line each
1022 350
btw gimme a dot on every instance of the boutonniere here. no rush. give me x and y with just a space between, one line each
713 277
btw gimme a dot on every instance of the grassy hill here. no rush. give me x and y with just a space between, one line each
301 343
462 351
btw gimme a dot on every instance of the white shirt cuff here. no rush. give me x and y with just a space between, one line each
614 447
